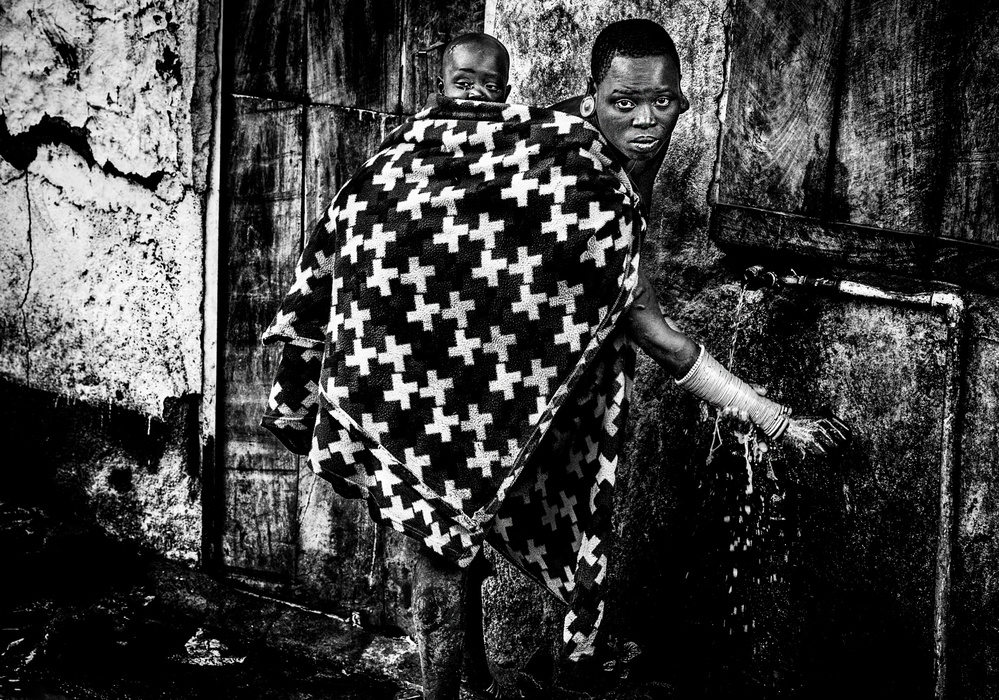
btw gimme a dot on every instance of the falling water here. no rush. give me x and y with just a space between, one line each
743 525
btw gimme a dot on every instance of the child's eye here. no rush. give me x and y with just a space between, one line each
624 105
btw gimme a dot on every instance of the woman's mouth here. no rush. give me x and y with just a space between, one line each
645 144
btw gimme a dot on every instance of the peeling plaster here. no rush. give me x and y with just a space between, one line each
114 70
104 238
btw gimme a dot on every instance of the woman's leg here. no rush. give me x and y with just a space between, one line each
439 617
476 666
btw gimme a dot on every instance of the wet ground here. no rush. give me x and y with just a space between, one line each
87 618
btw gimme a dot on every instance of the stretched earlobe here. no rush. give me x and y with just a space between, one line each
587 106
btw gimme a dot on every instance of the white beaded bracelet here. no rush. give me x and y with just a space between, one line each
710 381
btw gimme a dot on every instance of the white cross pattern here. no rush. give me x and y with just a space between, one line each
302 277
483 135
525 265
381 277
485 165
452 142
372 427
351 246
501 525
595 248
484 459
419 173
388 175
487 230
567 296
336 322
520 187
424 509
597 219
540 406
414 203
558 184
536 553
521 156
489 268
529 303
568 509
361 357
397 511
334 392
477 422
450 234
345 447
459 309
384 478
498 343
504 382
551 513
464 347
447 199
325 264
435 387
350 211
424 313
417 275
378 239
442 424
562 121
401 391
356 318
415 463
455 496
540 376
571 334
395 354
559 223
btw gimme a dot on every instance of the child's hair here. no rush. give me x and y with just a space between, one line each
631 38
480 39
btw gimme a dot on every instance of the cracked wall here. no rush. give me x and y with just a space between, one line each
105 228
104 122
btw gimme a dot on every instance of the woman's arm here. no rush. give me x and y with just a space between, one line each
657 335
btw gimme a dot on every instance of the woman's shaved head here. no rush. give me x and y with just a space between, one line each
631 38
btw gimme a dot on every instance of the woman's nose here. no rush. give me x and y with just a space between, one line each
644 116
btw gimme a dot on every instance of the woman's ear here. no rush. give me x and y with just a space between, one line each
591 87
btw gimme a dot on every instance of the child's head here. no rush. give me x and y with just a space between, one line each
475 67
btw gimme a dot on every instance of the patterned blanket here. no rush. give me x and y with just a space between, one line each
452 352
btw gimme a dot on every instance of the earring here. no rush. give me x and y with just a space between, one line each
587 106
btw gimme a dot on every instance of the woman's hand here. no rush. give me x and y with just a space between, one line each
818 435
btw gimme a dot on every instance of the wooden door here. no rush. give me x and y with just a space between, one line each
311 88
864 133
861 135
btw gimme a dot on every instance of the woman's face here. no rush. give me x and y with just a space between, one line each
637 104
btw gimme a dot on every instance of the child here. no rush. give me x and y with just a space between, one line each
475 67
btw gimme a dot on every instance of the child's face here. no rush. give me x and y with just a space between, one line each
474 72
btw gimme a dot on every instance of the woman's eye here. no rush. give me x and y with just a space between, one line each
663 101
624 104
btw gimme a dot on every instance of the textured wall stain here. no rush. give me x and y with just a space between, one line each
101 252
104 239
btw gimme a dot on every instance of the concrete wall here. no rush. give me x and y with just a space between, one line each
106 117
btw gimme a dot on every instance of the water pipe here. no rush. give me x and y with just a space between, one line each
952 305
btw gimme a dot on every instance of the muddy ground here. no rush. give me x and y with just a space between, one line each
85 617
